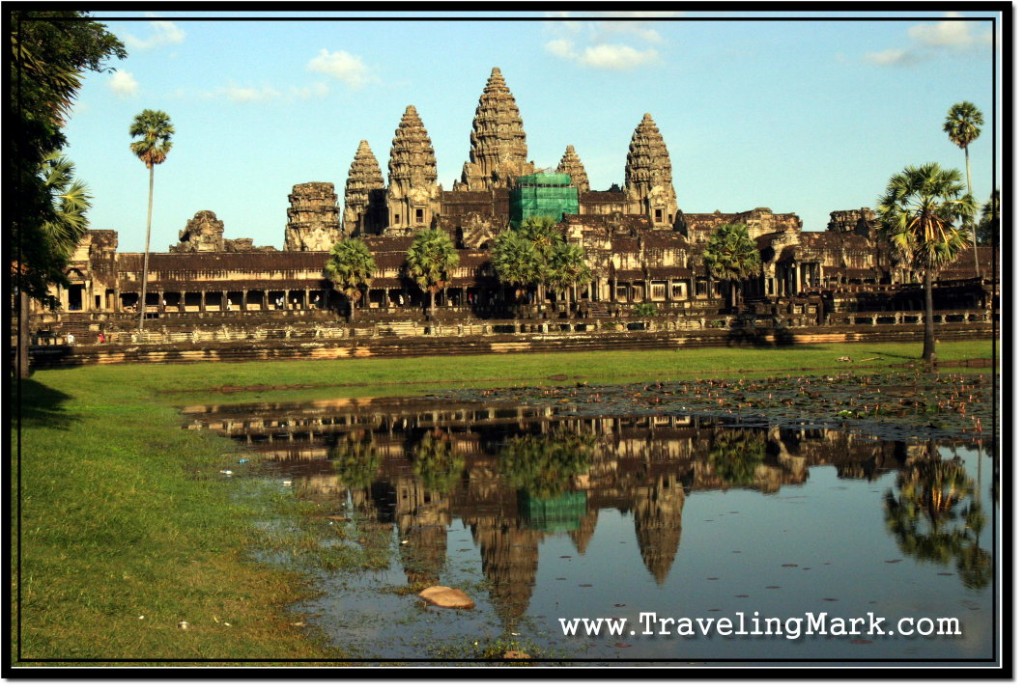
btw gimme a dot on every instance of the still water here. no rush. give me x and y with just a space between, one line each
693 539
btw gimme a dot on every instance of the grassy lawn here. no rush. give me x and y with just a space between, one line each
128 528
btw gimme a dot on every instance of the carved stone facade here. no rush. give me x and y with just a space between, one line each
413 192
314 218
649 175
760 221
497 154
204 232
573 167
860 221
638 245
364 194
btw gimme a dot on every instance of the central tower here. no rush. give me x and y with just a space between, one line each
497 154
649 189
413 192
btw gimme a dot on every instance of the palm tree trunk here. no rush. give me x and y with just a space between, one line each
145 260
974 228
23 335
929 316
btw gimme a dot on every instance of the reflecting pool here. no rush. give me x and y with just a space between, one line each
663 538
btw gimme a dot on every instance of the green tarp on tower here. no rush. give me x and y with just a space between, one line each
543 194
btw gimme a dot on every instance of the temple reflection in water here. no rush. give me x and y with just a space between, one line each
516 474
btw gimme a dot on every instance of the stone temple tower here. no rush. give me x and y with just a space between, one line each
648 186
497 154
314 223
364 195
413 193
572 166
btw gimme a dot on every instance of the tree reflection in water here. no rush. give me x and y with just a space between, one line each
546 466
355 458
940 491
736 454
435 461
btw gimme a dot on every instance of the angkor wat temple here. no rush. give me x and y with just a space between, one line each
640 246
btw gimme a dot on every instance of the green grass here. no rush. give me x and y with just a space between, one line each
128 527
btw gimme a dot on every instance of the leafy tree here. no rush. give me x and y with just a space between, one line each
921 214
988 227
963 125
430 261
568 267
732 256
523 256
50 53
350 269
152 131
70 202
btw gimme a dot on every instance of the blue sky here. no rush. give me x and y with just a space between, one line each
803 115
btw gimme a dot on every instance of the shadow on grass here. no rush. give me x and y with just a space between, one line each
896 356
745 332
41 406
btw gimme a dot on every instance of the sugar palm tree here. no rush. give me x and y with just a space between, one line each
922 214
963 125
514 262
522 256
568 267
350 269
70 204
152 131
431 259
61 230
732 256
542 235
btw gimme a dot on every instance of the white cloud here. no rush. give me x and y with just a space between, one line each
123 83
617 57
562 47
343 66
951 35
606 45
948 34
163 33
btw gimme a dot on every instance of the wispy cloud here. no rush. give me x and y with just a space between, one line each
246 94
605 44
162 33
123 83
342 66
251 94
952 35
307 93
604 56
